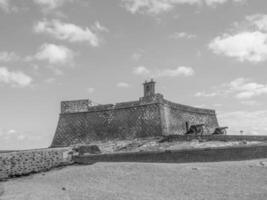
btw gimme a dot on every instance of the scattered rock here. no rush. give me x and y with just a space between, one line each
63 188
244 142
84 149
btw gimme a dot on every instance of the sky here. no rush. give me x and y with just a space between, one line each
204 53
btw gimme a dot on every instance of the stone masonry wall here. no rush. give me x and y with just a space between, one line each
119 121
150 116
176 116
74 106
30 161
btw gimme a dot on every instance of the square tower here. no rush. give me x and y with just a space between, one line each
149 88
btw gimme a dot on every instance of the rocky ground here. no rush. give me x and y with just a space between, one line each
242 180
153 144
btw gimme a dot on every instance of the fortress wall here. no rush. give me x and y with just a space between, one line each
176 116
31 161
110 122
74 106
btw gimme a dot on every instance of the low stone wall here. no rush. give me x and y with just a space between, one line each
31 161
225 138
180 156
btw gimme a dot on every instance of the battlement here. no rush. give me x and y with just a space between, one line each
85 105
75 106
79 106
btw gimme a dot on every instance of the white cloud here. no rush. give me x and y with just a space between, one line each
123 85
251 122
246 90
90 90
159 6
250 103
137 56
51 4
8 56
175 72
247 43
70 32
55 54
14 78
240 88
179 35
12 139
178 71
244 46
98 27
218 2
259 21
50 80
4 5
141 70
205 94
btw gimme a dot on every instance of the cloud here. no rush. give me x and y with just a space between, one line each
141 70
123 85
4 5
258 20
240 88
244 46
245 89
98 27
205 94
155 7
178 71
50 80
137 56
90 90
250 103
7 7
70 32
14 78
51 4
55 54
247 44
12 139
8 56
218 2
175 72
54 57
251 122
179 35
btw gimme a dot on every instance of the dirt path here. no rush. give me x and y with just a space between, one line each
244 180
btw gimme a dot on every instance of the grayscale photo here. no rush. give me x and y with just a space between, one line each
133 99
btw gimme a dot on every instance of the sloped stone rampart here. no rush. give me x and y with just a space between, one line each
110 123
178 117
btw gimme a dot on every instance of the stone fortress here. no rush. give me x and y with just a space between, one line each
151 115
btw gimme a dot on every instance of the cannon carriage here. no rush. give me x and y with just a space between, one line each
197 129
220 131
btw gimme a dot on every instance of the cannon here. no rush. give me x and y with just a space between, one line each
220 131
197 129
